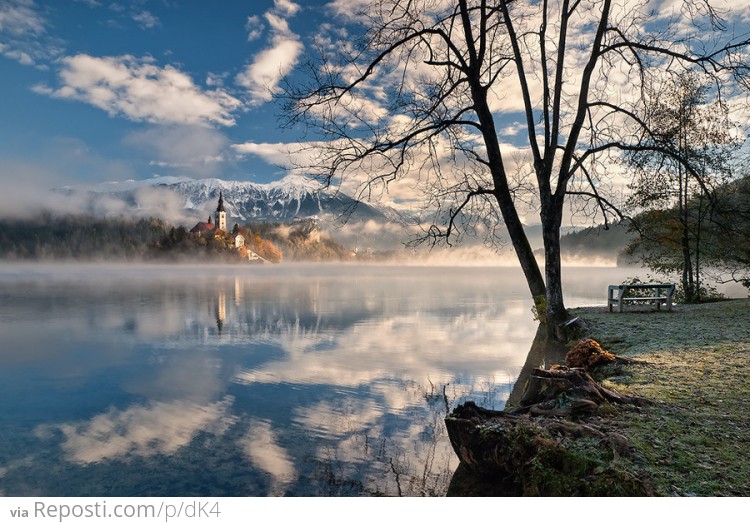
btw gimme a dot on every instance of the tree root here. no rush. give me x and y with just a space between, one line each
571 391
504 444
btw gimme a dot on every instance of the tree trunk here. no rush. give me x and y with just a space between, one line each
687 265
518 238
556 313
522 247
544 351
698 227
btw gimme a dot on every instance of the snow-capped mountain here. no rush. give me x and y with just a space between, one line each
291 197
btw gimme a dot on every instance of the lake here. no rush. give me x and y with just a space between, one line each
300 380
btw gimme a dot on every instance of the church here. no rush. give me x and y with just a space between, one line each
217 227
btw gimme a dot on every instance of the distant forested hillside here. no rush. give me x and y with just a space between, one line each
706 238
713 229
78 237
598 242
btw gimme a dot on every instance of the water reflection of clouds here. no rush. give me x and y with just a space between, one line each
140 430
190 375
401 347
398 365
260 445
370 354
345 417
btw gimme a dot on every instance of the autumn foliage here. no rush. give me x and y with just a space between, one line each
264 248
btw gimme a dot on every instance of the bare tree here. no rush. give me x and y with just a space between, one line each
420 96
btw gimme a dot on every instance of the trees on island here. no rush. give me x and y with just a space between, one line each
431 89
79 237
181 243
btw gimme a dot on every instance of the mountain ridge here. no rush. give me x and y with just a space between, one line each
293 196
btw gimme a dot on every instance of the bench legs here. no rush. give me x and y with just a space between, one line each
658 301
623 290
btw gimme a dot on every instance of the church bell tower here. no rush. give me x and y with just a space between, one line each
221 215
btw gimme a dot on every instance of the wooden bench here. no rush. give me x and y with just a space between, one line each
662 294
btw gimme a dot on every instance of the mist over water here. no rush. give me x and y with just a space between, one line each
187 380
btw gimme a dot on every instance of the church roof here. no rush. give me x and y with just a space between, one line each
207 228
220 208
202 227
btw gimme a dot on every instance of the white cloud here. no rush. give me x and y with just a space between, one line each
215 79
146 20
278 24
741 7
19 17
281 154
512 130
677 8
21 57
69 165
349 9
286 7
30 189
262 76
254 27
142 91
23 34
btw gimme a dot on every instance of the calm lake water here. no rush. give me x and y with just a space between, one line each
253 381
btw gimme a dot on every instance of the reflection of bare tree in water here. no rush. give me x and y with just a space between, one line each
421 463
427 469
418 459
415 461
543 353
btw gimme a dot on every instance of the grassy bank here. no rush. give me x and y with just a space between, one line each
695 438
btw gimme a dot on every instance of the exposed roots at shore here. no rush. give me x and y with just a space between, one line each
551 444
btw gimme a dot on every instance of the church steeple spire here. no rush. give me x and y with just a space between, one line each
220 208
221 215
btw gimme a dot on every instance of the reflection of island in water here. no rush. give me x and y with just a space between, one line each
250 385
221 309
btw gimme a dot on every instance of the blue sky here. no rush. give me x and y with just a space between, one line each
108 90
100 90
